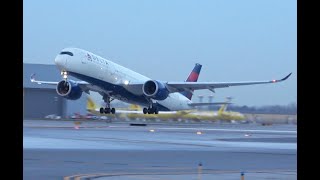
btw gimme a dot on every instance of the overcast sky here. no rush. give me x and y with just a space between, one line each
233 40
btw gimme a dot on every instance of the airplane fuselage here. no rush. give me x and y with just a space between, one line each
111 78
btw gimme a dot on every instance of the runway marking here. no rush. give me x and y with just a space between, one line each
178 128
82 162
74 161
163 128
230 130
139 141
205 171
81 127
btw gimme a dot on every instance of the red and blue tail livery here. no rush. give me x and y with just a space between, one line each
193 77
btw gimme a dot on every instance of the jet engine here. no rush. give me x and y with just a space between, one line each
155 89
69 90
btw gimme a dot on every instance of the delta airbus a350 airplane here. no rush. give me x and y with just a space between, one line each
114 81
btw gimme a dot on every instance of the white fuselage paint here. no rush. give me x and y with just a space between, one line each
110 72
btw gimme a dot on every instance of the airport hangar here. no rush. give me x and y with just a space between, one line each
40 100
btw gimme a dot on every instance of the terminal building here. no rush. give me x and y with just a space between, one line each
40 100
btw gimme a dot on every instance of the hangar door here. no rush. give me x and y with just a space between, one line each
38 103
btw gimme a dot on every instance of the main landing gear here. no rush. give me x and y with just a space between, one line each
107 109
152 109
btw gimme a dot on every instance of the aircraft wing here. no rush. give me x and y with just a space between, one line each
190 86
32 79
136 88
85 86
208 104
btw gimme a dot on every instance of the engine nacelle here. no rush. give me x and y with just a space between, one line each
155 89
69 90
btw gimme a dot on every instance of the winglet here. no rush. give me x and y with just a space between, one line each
32 79
286 77
274 81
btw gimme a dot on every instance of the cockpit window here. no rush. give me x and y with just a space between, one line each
67 52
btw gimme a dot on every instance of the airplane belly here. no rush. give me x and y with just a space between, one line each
116 91
174 103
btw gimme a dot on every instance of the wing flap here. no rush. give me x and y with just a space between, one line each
180 86
208 104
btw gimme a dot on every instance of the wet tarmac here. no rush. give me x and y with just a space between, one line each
99 150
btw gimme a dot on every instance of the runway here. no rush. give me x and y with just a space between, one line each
99 150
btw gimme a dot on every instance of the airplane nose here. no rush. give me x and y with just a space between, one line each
60 62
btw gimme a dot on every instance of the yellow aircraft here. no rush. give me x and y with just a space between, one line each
229 115
93 108
134 112
122 113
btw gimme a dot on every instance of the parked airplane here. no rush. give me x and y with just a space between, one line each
114 81
94 107
222 113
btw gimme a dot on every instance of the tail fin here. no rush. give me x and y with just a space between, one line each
91 106
193 77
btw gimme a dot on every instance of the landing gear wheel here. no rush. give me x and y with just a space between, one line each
145 111
107 110
152 110
101 110
113 110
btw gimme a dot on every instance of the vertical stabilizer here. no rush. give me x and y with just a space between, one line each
193 77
